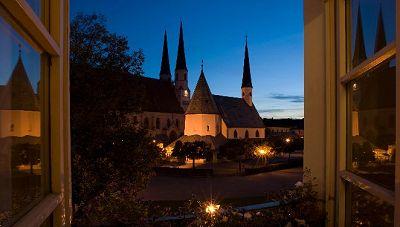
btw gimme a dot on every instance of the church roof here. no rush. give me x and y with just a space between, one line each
359 45
159 96
202 101
236 112
18 93
181 59
246 80
165 69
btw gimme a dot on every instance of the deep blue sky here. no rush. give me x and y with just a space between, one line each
214 30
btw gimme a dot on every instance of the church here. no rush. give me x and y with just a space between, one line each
231 117
171 112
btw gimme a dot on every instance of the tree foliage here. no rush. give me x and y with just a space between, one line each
192 150
93 46
111 159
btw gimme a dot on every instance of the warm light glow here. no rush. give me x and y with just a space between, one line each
287 140
168 151
263 151
160 145
186 93
154 141
212 208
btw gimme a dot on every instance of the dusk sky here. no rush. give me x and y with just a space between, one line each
215 32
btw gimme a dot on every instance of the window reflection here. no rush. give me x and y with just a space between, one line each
36 6
372 27
372 129
368 210
21 156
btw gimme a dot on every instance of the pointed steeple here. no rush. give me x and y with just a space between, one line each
359 46
18 94
181 59
165 71
380 37
246 80
202 101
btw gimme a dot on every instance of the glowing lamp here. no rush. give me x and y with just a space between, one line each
212 208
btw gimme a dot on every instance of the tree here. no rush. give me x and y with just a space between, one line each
25 154
194 150
93 46
111 160
177 151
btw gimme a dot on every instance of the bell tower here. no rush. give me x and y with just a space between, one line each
181 74
247 87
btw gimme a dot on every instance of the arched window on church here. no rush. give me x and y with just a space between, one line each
257 134
158 123
168 123
208 128
12 128
235 135
146 123
246 134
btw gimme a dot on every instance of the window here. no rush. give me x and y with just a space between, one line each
158 123
370 85
146 123
257 134
208 128
24 170
246 134
235 134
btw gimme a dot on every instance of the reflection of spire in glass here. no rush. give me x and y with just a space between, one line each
359 45
380 37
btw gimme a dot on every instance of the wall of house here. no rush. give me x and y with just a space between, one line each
202 124
241 132
224 129
176 123
19 123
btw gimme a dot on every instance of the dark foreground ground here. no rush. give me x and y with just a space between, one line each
182 188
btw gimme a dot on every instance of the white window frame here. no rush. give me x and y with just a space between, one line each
54 41
344 77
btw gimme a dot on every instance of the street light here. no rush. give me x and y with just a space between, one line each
212 208
287 140
263 152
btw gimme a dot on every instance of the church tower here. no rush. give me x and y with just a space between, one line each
165 71
181 74
247 87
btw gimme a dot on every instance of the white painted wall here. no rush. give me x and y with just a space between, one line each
202 124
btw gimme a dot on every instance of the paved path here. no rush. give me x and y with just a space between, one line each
181 188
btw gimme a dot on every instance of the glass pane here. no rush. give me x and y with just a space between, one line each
371 27
22 161
372 125
36 6
367 210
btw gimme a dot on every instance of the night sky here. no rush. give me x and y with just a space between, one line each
215 32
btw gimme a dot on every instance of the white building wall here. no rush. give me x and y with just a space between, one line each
19 123
202 124
241 132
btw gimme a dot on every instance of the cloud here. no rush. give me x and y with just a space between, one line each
290 98
277 110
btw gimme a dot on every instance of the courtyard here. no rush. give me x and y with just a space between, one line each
163 188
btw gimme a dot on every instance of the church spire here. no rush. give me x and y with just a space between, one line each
380 37
246 80
165 71
181 59
359 46
202 101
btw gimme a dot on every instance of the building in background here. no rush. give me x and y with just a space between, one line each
351 112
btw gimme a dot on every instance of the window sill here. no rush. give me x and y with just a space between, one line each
40 212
